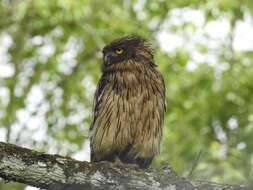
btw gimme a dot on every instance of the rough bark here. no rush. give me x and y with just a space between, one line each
56 172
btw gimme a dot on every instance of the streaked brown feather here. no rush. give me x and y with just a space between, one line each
129 107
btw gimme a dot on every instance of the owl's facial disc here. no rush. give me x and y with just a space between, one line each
108 58
113 56
121 50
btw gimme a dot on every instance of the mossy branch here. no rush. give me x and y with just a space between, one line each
56 172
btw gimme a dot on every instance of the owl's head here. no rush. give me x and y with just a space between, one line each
120 51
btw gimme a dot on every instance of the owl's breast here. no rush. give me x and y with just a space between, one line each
129 108
128 84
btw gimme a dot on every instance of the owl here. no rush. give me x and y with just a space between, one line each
129 105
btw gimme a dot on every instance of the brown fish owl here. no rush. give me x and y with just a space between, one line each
129 105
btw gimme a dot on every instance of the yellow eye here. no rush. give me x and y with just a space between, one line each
119 51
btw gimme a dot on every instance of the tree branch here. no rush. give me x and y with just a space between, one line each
56 172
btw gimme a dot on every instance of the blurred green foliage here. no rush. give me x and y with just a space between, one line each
55 49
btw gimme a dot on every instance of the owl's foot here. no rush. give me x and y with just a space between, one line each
118 163
132 166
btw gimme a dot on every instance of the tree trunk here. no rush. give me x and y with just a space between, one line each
62 173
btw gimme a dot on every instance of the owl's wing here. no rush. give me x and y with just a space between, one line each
97 99
164 95
96 106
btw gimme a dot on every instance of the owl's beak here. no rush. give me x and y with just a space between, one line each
107 58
